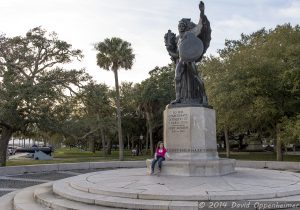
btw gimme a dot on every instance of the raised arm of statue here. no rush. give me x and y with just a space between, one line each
197 29
201 8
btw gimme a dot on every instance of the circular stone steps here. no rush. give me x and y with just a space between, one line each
45 197
64 189
134 184
23 200
6 201
133 189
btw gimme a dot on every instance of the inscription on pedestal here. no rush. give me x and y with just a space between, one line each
178 121
190 133
192 150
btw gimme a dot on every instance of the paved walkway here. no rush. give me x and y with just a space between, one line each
244 184
16 182
131 189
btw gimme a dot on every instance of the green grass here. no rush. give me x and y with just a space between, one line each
74 155
260 156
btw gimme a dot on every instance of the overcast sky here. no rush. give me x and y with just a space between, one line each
140 22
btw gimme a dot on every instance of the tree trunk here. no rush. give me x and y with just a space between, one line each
148 118
128 139
132 143
147 142
4 140
93 142
104 148
109 146
121 143
151 140
102 136
279 155
227 142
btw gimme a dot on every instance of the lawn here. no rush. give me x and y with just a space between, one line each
74 155
260 156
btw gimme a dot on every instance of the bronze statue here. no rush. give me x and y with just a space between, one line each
186 50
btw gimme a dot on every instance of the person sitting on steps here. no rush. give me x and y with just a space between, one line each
160 155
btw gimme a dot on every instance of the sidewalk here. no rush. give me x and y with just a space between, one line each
14 182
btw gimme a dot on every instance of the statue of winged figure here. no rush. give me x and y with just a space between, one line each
186 49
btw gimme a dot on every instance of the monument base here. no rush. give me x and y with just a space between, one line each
217 167
190 137
190 133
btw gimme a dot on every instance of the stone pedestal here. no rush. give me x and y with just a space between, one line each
190 133
190 137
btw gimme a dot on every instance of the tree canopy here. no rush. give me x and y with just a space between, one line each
254 84
33 87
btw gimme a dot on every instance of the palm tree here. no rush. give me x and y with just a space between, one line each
114 54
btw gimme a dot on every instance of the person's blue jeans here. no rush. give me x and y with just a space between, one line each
159 160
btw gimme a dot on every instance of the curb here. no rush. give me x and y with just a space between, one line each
278 165
14 170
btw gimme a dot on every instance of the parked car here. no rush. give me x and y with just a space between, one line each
268 148
47 150
11 150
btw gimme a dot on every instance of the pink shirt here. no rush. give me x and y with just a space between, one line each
161 152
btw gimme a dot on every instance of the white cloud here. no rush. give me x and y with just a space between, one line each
230 28
141 22
292 11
